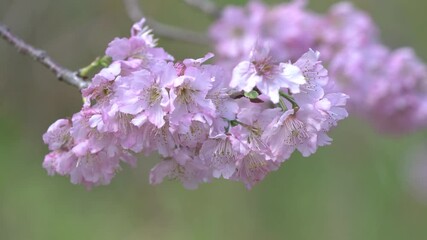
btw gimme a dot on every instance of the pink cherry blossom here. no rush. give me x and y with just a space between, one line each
269 77
194 114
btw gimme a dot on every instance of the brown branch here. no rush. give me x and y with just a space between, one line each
206 6
135 13
41 56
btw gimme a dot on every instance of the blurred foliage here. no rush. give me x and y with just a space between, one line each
352 189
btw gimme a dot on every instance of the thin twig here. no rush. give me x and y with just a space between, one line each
135 13
41 56
206 6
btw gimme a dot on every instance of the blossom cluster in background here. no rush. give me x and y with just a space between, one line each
388 87
205 121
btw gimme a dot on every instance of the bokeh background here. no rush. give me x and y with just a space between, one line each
353 189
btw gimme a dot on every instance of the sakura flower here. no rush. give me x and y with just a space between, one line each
137 48
252 168
197 133
144 95
252 122
333 108
190 174
141 45
197 62
218 154
120 126
144 32
188 98
312 70
220 94
58 135
266 75
100 89
85 134
59 162
293 131
94 169
163 139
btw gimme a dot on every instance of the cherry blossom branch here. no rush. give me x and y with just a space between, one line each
206 6
135 13
41 56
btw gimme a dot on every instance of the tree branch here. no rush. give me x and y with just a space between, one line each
135 13
206 6
41 56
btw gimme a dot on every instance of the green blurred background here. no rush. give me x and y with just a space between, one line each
353 189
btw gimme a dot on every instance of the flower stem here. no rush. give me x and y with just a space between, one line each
295 105
98 62
282 105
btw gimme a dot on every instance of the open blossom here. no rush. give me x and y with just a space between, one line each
144 95
188 98
252 168
253 121
100 89
135 47
190 173
332 107
58 135
292 131
218 154
194 115
141 46
226 107
312 69
265 74
144 32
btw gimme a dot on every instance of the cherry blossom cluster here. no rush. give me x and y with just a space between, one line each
388 87
204 121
